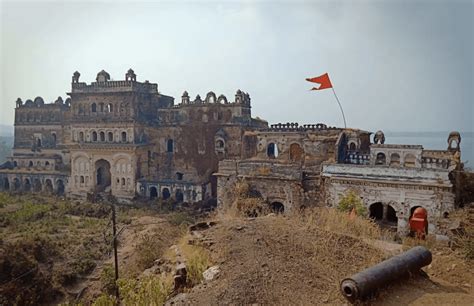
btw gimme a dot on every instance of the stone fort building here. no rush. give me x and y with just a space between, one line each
127 138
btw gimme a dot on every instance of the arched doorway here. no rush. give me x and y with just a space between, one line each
376 211
179 196
16 184
296 152
48 186
102 174
27 185
391 215
37 187
60 187
165 193
153 193
6 184
277 207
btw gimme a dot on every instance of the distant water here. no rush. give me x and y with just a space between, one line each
435 141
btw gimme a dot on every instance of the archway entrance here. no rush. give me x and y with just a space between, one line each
179 196
102 173
60 187
6 184
376 211
165 193
277 207
153 193
16 184
37 185
391 215
48 186
27 185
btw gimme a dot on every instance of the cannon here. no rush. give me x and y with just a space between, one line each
364 284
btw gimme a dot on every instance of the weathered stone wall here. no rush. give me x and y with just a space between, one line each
401 188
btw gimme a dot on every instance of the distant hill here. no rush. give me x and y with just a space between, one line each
6 145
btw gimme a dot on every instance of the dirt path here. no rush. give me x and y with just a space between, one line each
130 235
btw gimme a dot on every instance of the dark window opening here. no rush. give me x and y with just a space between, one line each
153 193
94 107
54 138
38 143
381 159
169 146
165 193
102 136
179 176
81 136
94 136
272 150
110 136
124 136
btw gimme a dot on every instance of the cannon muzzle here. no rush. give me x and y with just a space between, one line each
363 284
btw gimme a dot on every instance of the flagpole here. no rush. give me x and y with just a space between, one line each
340 106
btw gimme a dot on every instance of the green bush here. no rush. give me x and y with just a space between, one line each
350 201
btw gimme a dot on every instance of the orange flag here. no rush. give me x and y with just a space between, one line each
323 80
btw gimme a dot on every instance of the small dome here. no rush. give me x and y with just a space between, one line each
39 101
454 134
379 137
185 94
102 76
29 103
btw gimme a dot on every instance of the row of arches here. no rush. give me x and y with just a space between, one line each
30 164
33 185
41 116
409 160
166 194
101 136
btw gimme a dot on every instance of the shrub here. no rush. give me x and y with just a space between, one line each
150 290
351 200
107 279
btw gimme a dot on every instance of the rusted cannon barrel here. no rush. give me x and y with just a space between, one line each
363 284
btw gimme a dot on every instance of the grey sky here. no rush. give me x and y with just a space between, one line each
395 65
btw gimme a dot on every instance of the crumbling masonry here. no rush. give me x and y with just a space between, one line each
127 138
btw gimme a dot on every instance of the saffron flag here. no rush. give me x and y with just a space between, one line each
323 80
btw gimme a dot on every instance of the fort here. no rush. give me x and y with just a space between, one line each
127 138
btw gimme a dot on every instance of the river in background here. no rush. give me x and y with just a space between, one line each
435 141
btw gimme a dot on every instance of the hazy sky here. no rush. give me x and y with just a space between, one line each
395 65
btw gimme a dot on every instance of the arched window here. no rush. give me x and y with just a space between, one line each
272 150
110 136
94 136
110 108
124 136
82 179
220 144
123 181
101 107
30 164
169 146
410 161
352 146
38 142
102 136
381 159
54 138
94 107
395 160
81 136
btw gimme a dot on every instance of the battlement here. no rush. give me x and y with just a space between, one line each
241 98
115 86
104 84
295 127
38 102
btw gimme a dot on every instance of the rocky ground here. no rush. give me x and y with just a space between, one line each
227 258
